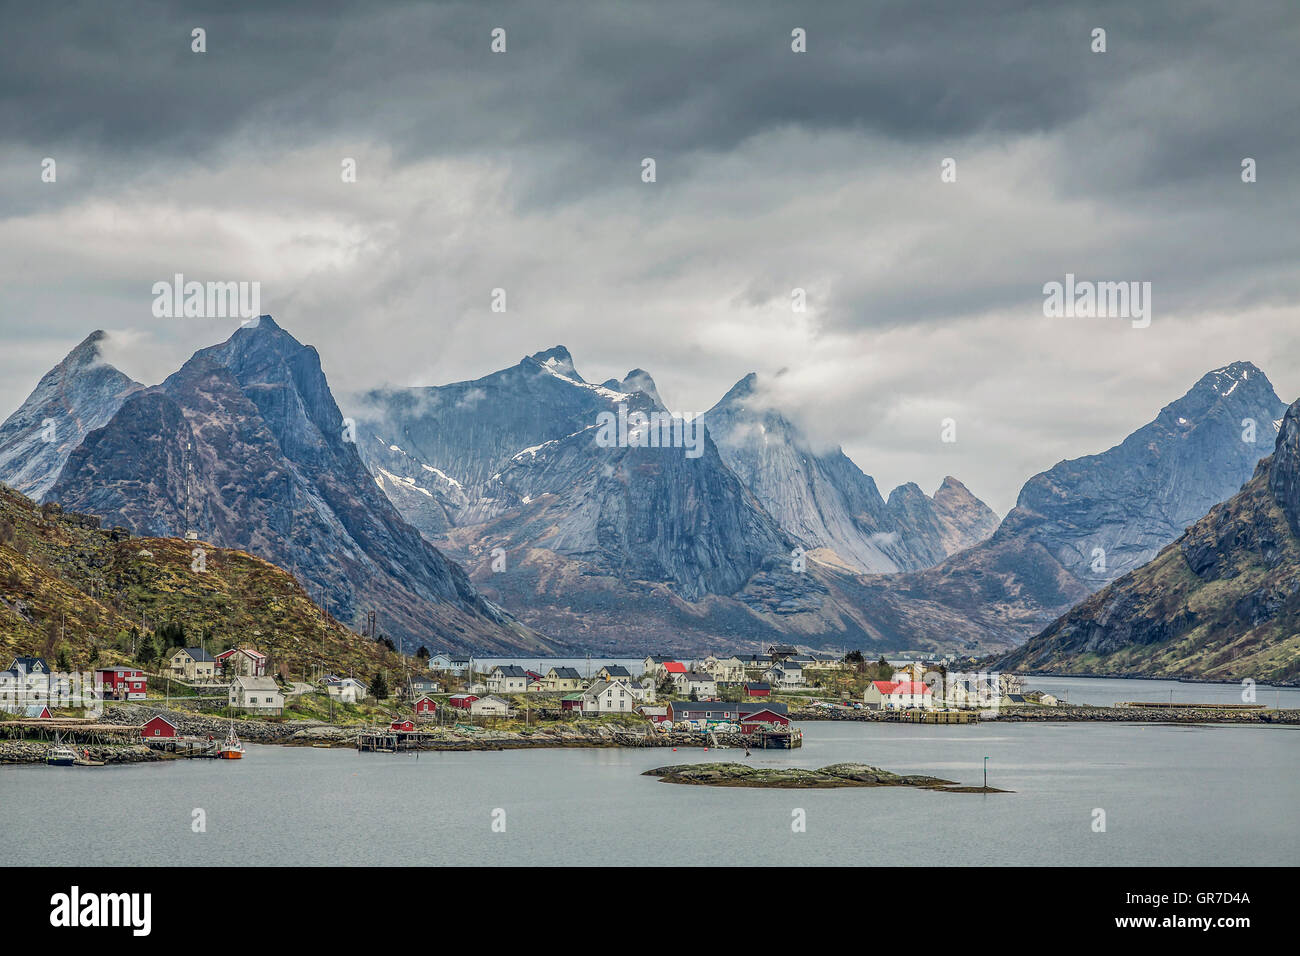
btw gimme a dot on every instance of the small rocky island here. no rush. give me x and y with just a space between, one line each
836 775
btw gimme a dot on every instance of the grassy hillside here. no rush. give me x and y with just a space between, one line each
68 585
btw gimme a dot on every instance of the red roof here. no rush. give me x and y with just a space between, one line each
674 667
884 686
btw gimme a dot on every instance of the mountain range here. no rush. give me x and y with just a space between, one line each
1085 521
698 548
244 447
531 510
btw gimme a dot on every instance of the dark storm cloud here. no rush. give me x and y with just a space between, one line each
775 171
606 78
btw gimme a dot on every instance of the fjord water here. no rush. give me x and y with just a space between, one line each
1181 795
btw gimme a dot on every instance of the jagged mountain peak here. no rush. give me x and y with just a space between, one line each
639 380
87 353
73 398
741 390
558 361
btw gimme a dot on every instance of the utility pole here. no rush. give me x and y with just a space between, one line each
986 773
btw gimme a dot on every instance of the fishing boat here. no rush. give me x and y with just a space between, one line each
232 749
59 755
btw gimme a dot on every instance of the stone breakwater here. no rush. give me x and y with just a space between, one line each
1146 715
35 751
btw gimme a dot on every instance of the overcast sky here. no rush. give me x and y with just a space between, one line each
775 170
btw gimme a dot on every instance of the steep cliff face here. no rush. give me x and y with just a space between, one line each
1106 514
825 501
72 399
1221 602
1084 522
245 446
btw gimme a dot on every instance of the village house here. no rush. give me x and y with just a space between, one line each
823 662
654 667
898 695
158 726
702 714
25 679
572 701
461 701
643 692
507 679
426 707
655 714
191 664
489 707
446 664
536 682
754 717
785 674
758 689
780 652
403 726
121 683
37 712
724 670
346 690
256 695
420 686
608 697
697 682
563 678
614 672
241 661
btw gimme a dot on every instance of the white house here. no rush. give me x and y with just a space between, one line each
785 674
508 679
446 664
701 683
609 697
256 695
489 707
347 690
644 691
898 695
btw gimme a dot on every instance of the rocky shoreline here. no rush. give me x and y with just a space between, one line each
34 751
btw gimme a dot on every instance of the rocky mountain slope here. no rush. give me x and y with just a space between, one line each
68 584
1086 521
1221 602
245 446
75 397
825 501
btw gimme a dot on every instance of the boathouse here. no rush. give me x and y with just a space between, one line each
158 726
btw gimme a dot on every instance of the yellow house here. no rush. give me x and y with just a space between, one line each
191 663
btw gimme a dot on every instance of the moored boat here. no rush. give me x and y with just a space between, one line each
232 749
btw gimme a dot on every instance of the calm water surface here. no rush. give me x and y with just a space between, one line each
1172 795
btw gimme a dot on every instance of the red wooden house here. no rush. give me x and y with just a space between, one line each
425 707
122 683
774 714
158 726
406 726
462 700
758 689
